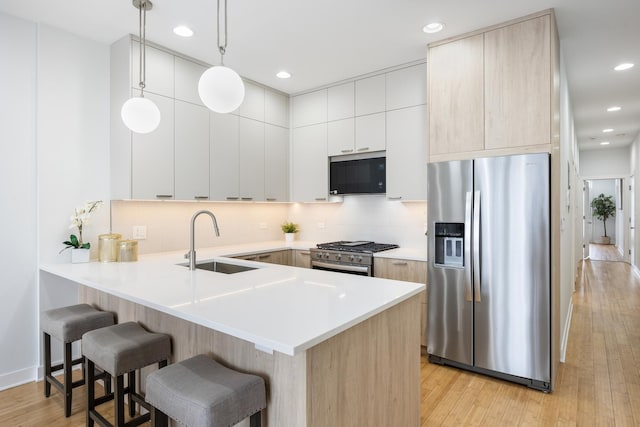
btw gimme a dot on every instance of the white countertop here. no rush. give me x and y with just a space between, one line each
281 308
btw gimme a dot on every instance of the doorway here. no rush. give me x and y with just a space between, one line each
605 240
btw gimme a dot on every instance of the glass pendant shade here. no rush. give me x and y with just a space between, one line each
221 89
140 115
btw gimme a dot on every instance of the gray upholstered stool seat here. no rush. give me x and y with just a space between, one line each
201 392
122 349
68 324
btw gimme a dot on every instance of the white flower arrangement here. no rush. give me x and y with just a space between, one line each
79 219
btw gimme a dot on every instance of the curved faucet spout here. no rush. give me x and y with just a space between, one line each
192 237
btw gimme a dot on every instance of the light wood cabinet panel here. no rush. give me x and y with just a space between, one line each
251 137
341 101
370 95
406 87
252 106
408 271
310 108
276 163
276 108
371 133
518 84
187 76
160 72
302 258
310 169
191 151
341 137
225 157
456 105
274 257
152 156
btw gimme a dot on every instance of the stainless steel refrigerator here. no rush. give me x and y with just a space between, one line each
489 274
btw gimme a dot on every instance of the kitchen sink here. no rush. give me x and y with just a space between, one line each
221 267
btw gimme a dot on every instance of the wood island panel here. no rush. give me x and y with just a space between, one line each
368 373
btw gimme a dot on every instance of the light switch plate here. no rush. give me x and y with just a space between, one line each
139 232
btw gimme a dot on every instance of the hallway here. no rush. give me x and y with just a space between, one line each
598 252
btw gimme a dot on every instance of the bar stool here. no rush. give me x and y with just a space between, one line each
201 392
119 350
68 324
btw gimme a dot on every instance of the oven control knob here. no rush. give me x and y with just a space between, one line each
338 257
351 258
359 259
326 256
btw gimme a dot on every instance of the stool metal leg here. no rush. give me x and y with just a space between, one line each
67 379
159 418
47 364
118 402
132 390
90 391
256 419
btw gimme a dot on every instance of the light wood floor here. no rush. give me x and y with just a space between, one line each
598 252
598 385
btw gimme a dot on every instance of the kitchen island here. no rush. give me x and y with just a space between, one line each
334 349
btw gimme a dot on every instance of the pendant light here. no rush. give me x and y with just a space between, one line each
140 114
221 89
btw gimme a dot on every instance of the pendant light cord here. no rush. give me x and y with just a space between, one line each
142 35
222 48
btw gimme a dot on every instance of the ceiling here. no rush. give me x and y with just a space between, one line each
320 42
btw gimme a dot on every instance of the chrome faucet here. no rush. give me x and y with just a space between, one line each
192 251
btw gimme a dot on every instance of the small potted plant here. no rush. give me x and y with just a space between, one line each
289 229
604 208
80 217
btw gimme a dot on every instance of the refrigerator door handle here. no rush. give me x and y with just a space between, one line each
476 246
467 246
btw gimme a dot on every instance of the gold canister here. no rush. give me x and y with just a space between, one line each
127 250
108 247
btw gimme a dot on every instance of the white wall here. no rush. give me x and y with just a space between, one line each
635 172
54 126
18 253
604 163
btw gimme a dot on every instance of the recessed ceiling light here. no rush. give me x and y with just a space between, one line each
623 66
607 130
604 143
433 27
612 109
183 31
283 75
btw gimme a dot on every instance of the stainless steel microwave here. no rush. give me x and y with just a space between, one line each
361 176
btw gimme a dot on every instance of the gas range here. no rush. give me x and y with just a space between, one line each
347 257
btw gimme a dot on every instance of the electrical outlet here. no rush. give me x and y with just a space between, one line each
262 226
139 232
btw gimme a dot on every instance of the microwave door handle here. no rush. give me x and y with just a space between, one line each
467 245
476 247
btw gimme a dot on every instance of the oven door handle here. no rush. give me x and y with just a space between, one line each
340 267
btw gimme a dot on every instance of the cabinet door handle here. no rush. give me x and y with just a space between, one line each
247 198
399 263
320 199
363 148
231 198
164 196
264 256
271 199
305 253
201 197
395 198
250 258
347 150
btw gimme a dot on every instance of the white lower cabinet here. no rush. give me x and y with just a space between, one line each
276 163
152 156
310 168
191 151
251 137
407 153
224 157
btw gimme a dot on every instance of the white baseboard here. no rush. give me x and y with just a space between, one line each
565 335
13 379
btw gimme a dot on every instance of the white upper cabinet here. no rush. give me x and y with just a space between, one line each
191 151
310 167
152 156
341 137
370 133
225 157
370 95
407 153
276 108
187 76
251 136
159 75
406 87
341 102
310 108
252 106
276 164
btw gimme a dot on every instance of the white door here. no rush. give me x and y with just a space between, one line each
631 204
587 228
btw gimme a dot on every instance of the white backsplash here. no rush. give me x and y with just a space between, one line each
357 218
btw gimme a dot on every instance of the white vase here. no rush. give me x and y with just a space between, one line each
288 237
80 255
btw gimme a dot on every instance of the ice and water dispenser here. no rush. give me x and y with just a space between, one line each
449 244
